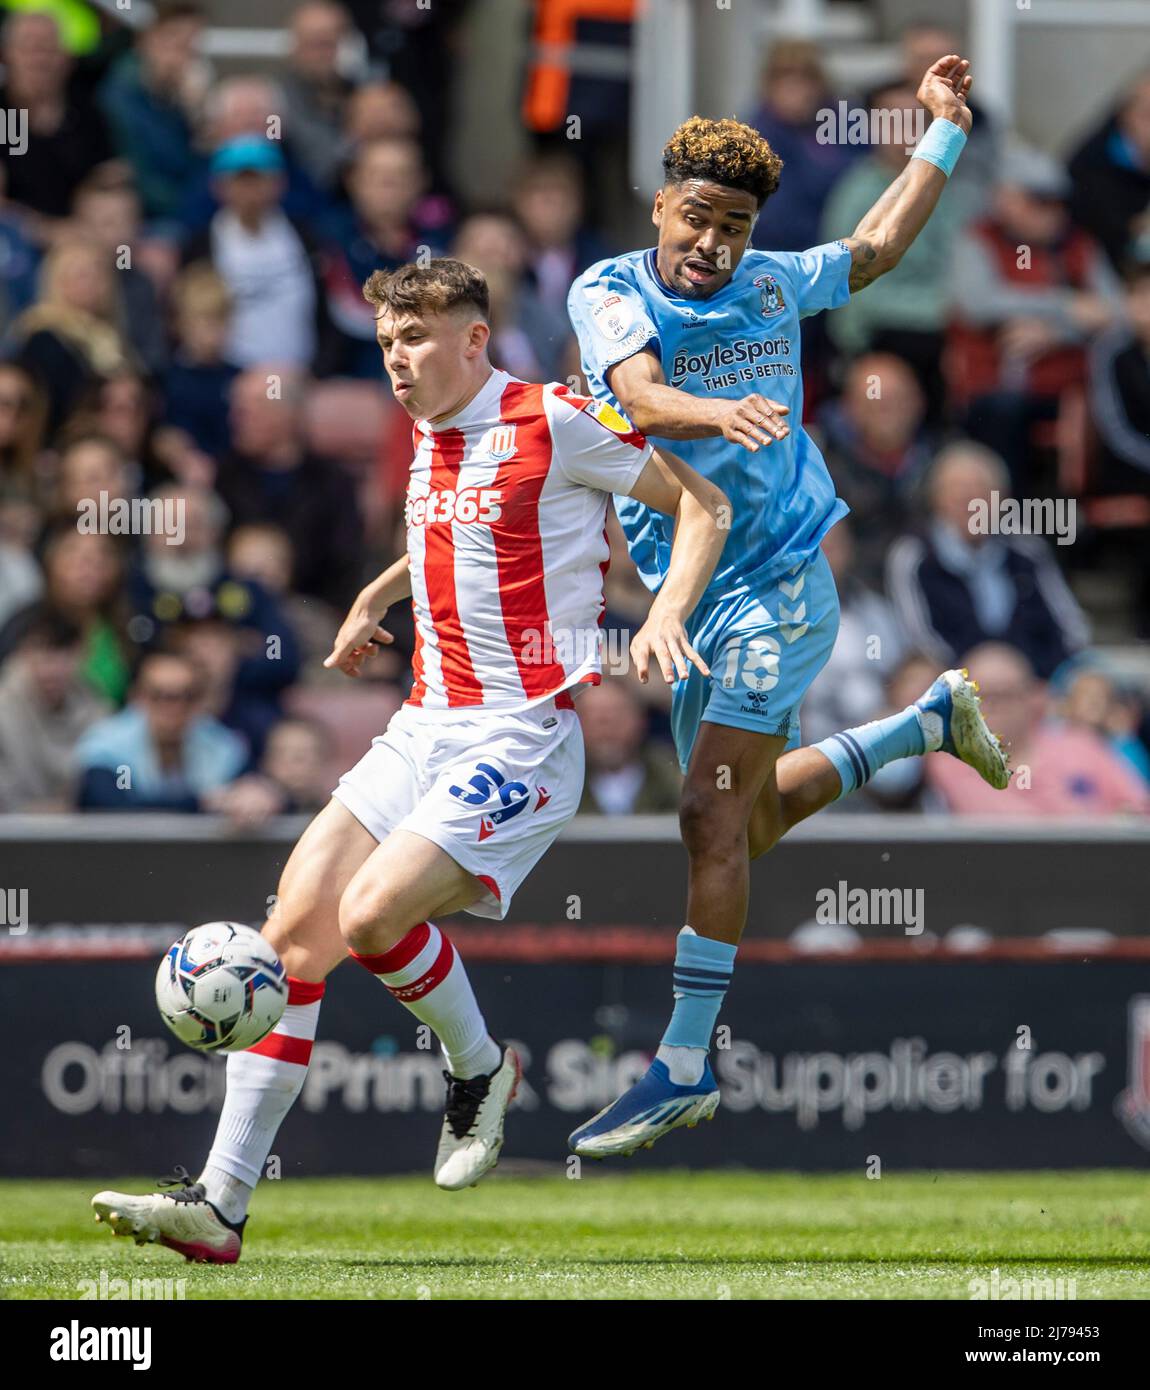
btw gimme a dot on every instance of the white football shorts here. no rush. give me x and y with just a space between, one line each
492 789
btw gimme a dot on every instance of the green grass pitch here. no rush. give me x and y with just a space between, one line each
607 1235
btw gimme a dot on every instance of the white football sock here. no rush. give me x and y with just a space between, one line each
262 1086
230 1196
425 973
930 722
684 1064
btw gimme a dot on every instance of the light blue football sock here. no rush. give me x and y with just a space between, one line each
857 754
703 969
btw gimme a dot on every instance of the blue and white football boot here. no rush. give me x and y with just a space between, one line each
651 1108
952 723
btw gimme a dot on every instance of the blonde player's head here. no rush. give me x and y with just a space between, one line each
716 177
432 326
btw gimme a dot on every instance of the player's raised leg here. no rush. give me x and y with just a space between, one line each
205 1219
385 920
946 719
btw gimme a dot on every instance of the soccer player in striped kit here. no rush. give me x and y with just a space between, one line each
483 766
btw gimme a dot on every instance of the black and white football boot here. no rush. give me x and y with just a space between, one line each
183 1220
472 1133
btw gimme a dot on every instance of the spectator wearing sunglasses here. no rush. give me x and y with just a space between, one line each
160 752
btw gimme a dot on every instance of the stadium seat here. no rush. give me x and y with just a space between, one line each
1072 435
353 716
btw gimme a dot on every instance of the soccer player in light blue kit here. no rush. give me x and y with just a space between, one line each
697 341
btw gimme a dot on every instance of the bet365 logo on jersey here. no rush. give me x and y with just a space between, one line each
468 505
489 784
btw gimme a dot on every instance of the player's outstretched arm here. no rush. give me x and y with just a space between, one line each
655 408
360 629
880 240
702 515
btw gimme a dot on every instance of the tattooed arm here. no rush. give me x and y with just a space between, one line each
882 237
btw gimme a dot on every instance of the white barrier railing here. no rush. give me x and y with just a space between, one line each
895 828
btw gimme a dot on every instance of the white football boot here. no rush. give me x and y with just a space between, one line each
952 723
472 1133
183 1220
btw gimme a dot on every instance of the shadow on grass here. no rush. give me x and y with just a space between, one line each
748 1261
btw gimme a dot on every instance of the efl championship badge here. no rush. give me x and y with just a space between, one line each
607 415
612 316
1133 1105
772 295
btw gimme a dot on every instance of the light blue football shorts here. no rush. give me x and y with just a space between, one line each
764 650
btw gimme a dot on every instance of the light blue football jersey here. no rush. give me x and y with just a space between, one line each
741 340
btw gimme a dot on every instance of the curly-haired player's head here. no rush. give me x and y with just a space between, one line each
716 177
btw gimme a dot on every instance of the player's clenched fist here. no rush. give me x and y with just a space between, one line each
753 421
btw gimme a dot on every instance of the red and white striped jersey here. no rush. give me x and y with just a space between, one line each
506 513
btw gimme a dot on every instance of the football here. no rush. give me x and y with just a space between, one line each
221 987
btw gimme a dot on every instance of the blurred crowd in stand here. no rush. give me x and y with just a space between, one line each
182 327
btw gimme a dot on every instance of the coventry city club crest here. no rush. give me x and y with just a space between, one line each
773 301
